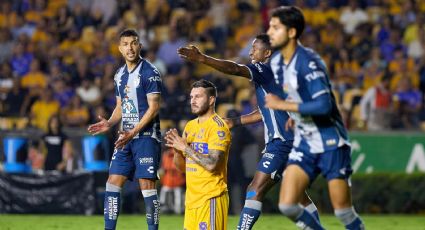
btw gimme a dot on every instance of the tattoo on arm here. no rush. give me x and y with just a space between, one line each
209 162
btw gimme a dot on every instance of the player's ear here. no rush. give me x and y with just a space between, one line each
292 32
212 100
268 53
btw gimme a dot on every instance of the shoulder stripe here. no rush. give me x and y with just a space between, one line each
218 121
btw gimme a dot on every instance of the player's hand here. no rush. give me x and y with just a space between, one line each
229 121
272 101
290 123
123 139
190 53
100 127
174 140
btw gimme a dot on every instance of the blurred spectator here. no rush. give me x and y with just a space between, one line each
59 150
35 155
6 45
43 109
6 79
35 79
62 92
416 48
408 102
376 106
152 58
172 181
13 104
75 114
352 16
89 92
21 60
167 51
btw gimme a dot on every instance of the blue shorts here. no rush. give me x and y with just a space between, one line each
275 157
331 164
139 159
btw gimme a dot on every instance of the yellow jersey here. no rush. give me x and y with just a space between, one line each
202 185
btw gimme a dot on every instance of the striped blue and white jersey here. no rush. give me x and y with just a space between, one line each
133 88
274 120
305 78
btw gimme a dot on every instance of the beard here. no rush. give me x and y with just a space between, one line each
282 45
203 109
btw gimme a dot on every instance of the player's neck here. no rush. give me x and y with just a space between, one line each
204 117
288 51
133 64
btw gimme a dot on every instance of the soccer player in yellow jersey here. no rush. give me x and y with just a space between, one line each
202 153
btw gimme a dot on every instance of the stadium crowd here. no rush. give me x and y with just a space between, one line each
57 58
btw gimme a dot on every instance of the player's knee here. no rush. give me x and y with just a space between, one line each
291 211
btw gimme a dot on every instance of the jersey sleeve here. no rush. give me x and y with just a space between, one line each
153 82
316 80
219 138
260 73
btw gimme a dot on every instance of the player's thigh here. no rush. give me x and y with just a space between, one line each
210 216
335 166
121 164
146 158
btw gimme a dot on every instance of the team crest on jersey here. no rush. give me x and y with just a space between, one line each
221 135
203 226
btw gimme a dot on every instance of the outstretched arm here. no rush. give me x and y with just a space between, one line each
320 106
104 125
253 117
192 54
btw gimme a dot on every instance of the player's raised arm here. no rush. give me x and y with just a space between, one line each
253 117
192 54
104 125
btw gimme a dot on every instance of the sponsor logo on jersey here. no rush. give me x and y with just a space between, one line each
258 67
154 78
331 142
268 156
314 75
296 156
146 160
150 169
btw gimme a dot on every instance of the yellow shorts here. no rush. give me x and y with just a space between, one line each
210 216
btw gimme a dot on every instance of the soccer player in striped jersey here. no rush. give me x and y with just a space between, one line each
321 142
137 151
278 139
202 153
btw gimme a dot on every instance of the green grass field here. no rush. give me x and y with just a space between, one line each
137 222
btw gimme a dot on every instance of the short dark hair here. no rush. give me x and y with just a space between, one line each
291 17
129 33
207 85
264 38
